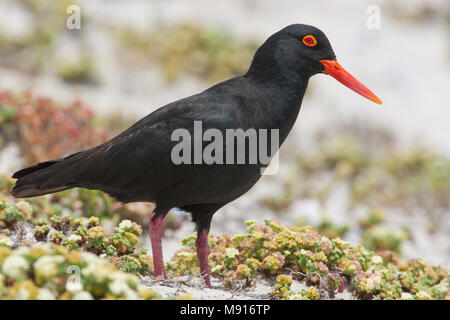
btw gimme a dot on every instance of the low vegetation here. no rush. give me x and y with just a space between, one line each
39 249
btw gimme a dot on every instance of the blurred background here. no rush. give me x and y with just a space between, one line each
379 176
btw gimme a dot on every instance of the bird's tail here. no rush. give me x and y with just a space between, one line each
47 177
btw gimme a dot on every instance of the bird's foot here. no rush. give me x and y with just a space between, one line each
160 276
206 277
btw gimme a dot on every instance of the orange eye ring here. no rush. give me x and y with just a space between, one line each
309 41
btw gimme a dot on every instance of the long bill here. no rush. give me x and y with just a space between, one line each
334 69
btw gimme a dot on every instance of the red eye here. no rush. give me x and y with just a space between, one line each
309 41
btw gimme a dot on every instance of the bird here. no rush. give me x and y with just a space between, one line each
138 165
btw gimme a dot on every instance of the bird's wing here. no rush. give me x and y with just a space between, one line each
140 157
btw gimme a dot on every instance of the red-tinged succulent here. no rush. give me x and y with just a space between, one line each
45 130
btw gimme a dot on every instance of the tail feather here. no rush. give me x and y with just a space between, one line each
28 191
41 165
46 177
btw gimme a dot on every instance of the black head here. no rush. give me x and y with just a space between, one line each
298 47
298 52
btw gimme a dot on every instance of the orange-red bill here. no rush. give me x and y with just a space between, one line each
334 69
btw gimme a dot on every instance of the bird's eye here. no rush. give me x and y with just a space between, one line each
309 41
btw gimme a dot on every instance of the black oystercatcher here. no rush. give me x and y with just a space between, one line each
138 164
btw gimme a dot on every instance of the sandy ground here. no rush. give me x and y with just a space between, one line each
193 286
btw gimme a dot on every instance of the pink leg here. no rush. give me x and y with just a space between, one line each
155 228
202 254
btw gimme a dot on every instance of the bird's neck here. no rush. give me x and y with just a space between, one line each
288 87
271 73
283 89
